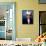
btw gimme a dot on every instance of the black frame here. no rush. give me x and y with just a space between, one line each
39 21
32 16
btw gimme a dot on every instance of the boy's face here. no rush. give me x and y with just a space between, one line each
28 16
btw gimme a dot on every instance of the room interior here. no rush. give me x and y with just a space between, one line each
31 31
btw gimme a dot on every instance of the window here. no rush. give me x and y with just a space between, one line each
42 1
42 22
7 21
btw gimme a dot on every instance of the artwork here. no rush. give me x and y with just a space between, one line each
42 1
27 17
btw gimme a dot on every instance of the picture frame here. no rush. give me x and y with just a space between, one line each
27 16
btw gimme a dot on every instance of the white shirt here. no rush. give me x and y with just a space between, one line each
28 20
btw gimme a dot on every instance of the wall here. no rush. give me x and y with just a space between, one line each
27 31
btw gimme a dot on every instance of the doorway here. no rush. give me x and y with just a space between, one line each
42 22
7 21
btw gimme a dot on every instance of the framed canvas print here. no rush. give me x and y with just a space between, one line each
7 20
42 1
27 16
